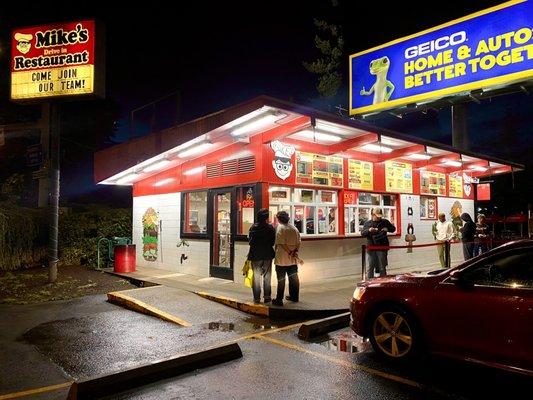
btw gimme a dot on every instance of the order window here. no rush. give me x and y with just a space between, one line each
358 209
312 211
428 207
195 212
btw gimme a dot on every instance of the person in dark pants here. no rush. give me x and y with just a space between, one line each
287 246
262 236
375 230
468 231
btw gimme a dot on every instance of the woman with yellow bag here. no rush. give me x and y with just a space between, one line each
261 237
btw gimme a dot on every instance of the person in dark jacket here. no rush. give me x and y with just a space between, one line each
375 230
262 236
468 231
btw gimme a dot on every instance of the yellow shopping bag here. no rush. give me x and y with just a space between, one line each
248 273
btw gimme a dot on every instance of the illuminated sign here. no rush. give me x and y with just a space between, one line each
54 61
360 175
316 169
398 177
432 183
492 47
455 185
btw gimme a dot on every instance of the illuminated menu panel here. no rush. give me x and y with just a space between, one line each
398 177
432 183
316 169
360 175
455 185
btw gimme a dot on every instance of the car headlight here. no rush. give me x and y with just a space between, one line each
358 292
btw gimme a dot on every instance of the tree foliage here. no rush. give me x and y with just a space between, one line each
330 44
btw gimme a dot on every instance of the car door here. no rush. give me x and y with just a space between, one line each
488 313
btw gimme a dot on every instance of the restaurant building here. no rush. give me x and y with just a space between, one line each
197 187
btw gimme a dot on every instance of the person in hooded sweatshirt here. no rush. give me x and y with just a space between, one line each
468 231
262 236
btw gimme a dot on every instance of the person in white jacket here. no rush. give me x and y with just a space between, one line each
443 232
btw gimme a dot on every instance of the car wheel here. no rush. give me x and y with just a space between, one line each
394 334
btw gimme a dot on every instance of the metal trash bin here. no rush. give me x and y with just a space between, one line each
125 258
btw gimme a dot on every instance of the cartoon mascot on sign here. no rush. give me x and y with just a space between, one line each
282 159
23 42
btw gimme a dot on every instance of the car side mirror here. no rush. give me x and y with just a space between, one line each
456 277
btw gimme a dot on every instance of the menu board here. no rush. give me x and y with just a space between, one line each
360 175
456 185
432 183
316 169
398 177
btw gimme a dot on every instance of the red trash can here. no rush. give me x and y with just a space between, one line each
124 258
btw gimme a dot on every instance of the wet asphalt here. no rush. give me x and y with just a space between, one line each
56 342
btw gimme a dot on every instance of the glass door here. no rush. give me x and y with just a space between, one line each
223 233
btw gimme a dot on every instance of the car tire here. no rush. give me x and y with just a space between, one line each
394 334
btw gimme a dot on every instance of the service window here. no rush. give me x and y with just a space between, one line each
195 212
428 207
358 209
313 212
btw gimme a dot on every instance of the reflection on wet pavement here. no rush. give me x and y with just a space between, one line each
345 341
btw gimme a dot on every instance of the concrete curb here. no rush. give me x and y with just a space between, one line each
250 308
108 384
317 328
272 312
131 303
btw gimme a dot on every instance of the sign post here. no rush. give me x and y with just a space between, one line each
48 63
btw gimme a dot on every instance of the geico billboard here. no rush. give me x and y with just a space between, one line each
53 60
488 48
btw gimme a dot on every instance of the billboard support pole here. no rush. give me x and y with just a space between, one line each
459 126
54 191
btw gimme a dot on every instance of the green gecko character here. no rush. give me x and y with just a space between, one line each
379 67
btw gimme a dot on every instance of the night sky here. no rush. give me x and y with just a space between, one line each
217 54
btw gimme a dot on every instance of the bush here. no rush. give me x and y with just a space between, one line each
80 230
23 236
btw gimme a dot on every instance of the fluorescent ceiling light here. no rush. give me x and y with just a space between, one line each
418 156
331 128
478 168
392 142
376 147
194 171
156 166
127 179
164 181
194 150
452 163
326 137
257 123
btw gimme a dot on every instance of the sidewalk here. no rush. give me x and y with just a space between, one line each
317 299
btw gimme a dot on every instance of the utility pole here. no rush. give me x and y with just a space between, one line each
459 126
53 160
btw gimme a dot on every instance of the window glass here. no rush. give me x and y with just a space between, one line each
364 215
278 194
245 209
511 271
195 212
365 198
273 210
312 212
389 200
376 199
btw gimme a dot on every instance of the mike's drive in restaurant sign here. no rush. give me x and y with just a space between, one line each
54 60
493 47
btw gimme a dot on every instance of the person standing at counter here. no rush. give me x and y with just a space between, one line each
483 236
443 233
468 231
262 236
375 230
287 246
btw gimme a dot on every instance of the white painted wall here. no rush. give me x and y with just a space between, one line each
323 258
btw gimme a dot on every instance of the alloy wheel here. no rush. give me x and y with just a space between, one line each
392 334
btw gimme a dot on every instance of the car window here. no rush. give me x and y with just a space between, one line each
511 270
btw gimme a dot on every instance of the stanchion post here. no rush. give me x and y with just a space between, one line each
363 262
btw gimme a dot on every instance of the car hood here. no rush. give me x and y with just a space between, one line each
417 278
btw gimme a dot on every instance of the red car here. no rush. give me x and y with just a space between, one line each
480 311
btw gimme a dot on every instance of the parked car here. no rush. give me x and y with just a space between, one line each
480 311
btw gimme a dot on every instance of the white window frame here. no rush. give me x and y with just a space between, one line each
316 203
354 209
